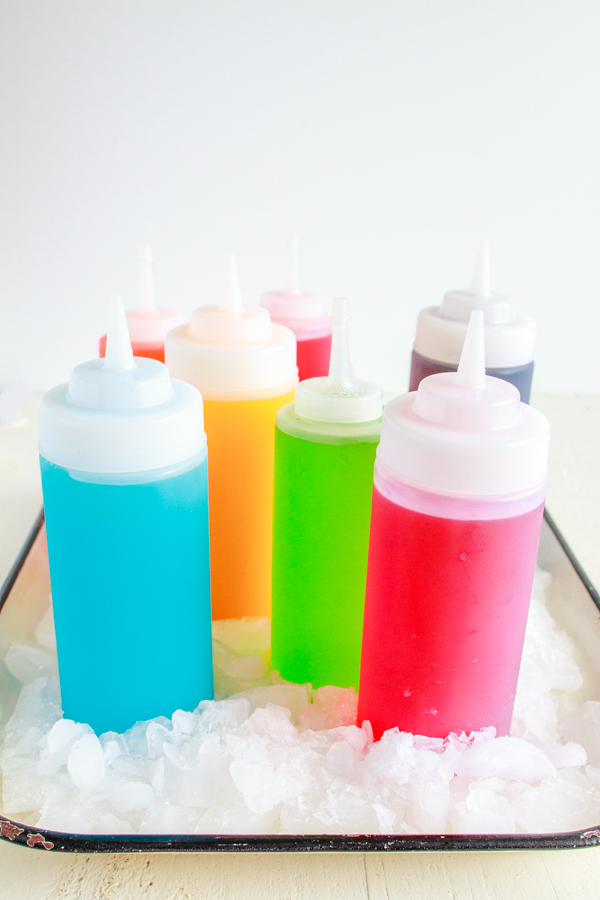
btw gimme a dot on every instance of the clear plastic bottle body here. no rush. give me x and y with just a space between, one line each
519 376
241 434
323 478
131 591
448 589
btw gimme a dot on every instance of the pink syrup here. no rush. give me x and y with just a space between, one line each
445 614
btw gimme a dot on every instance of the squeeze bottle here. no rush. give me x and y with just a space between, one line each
148 324
325 446
303 314
509 336
245 368
124 475
460 481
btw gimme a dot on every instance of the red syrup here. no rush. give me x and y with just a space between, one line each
313 356
152 351
445 614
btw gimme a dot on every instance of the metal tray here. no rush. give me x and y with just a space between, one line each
573 602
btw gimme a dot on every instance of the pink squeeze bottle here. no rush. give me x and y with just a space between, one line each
303 314
458 497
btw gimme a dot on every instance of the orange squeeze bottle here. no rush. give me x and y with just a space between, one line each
245 368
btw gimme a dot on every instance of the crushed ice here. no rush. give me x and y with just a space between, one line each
272 757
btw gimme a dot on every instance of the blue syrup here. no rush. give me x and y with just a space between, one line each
131 594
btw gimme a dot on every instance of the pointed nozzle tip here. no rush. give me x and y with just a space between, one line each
340 310
231 299
480 284
471 368
146 279
118 355
340 366
292 262
144 253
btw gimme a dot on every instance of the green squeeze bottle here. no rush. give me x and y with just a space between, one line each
325 446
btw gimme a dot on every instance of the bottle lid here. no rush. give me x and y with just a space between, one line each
230 347
121 413
339 397
149 324
465 432
298 310
509 336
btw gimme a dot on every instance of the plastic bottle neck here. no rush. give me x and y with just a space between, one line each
339 397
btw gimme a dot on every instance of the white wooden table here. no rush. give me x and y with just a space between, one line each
574 500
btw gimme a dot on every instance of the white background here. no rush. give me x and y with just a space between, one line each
395 136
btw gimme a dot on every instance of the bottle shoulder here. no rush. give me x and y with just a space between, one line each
294 425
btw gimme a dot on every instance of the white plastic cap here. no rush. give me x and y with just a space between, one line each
465 432
149 324
339 397
509 336
231 347
121 413
298 310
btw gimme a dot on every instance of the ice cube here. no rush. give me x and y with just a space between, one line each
23 789
86 763
28 661
38 705
331 706
483 812
566 802
236 818
291 696
358 738
386 818
45 633
129 795
275 722
342 760
184 722
256 781
201 783
63 734
391 759
429 800
565 755
167 818
583 727
505 757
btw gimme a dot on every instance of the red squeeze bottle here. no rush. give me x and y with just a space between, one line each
458 498
148 324
303 314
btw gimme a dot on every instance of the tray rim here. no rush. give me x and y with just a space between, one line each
23 835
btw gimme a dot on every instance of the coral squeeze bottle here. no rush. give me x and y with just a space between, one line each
509 336
124 475
460 481
148 324
303 314
245 367
325 446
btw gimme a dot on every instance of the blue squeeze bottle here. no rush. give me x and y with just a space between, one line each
441 332
124 475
